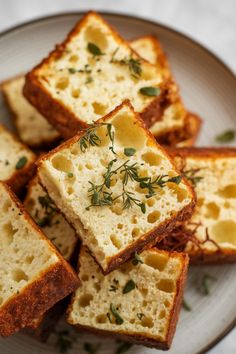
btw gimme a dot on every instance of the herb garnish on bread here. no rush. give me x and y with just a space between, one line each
34 276
116 186
89 74
138 302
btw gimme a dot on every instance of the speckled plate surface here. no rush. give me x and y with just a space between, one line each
208 88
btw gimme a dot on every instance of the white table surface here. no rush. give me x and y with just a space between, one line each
211 22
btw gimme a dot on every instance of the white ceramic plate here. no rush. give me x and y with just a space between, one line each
208 88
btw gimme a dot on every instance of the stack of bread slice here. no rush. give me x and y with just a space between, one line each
137 209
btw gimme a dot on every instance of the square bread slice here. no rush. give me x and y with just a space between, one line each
138 302
16 160
176 126
116 186
34 275
32 128
89 74
213 174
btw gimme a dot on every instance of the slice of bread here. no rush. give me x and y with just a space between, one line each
138 303
213 173
91 73
16 160
33 129
45 213
177 126
123 215
34 276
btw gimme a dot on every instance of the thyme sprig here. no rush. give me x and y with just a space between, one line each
191 176
90 137
158 182
134 65
49 209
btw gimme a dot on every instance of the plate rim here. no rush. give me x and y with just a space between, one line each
229 327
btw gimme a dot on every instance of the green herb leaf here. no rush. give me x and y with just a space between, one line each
150 91
186 306
70 174
89 80
64 342
129 286
205 283
123 347
94 49
140 316
92 348
176 179
21 163
143 208
134 65
226 137
191 176
119 320
72 70
137 259
129 151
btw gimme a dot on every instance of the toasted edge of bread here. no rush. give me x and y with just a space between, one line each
52 285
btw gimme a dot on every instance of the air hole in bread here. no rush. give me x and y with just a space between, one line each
134 219
62 83
18 275
89 166
162 314
153 217
227 205
200 202
116 241
228 191
70 190
120 78
104 162
75 93
212 211
84 277
85 300
147 322
99 108
148 73
144 291
101 318
151 202
97 287
132 321
152 159
224 231
156 261
73 58
123 122
180 192
116 208
94 34
120 226
167 303
135 232
61 163
29 259
166 285
6 206
8 233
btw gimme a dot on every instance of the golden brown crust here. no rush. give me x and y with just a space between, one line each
191 130
44 143
203 152
154 235
55 283
60 116
142 339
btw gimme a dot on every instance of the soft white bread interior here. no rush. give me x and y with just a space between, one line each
180 126
213 174
139 302
34 276
33 129
91 73
45 213
16 160
123 215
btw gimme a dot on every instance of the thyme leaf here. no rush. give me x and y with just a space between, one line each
21 163
134 65
136 260
191 176
94 49
205 283
140 316
123 347
150 91
129 151
118 319
186 306
129 286
226 137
